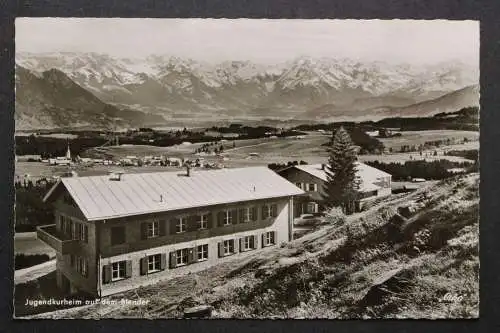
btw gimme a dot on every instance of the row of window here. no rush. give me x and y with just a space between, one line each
80 264
183 224
310 187
73 229
182 257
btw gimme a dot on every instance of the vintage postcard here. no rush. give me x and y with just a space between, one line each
246 168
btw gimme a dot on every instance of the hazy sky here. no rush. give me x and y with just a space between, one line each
258 40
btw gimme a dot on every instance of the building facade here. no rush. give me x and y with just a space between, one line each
115 233
311 178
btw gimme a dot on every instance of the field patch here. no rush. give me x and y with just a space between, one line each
420 137
29 244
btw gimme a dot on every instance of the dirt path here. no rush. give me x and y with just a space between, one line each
242 147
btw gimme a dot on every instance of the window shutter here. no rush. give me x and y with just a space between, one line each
163 261
242 239
190 256
73 230
86 234
263 238
265 212
77 230
106 273
189 223
254 213
255 239
144 266
128 268
274 210
86 263
193 222
273 238
220 218
173 259
144 230
221 249
234 216
210 220
195 254
173 223
241 215
163 227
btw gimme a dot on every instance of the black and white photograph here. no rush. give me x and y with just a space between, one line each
246 168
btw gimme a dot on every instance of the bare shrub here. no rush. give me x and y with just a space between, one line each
335 216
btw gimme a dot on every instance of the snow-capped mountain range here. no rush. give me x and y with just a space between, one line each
166 84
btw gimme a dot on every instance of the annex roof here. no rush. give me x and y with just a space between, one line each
367 174
98 197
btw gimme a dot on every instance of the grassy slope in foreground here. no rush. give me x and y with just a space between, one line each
371 265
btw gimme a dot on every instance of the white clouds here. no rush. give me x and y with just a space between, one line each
257 40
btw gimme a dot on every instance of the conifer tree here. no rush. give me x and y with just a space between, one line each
342 185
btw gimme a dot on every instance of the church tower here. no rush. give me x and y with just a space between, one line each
68 152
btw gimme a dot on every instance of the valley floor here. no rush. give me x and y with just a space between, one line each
279 150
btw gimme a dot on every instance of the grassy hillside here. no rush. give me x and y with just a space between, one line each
410 256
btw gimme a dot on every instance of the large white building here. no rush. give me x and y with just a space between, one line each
117 232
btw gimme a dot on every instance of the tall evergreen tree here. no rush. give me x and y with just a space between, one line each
342 185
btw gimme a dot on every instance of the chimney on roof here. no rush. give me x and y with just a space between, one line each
323 166
115 175
188 170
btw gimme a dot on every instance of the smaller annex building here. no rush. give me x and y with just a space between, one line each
121 231
311 178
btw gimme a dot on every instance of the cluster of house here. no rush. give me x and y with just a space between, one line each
130 160
120 231
133 160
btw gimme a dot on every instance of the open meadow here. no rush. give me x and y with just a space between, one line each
420 137
253 152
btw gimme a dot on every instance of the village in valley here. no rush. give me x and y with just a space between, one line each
179 214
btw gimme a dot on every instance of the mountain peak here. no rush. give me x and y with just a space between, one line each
168 82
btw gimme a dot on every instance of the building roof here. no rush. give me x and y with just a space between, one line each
98 197
367 174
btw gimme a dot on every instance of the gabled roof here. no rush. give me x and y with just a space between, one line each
98 197
367 174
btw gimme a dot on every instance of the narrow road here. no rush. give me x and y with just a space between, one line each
254 145
34 272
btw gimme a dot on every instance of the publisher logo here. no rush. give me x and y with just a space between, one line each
451 298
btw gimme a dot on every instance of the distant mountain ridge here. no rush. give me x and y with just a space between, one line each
52 99
171 86
456 100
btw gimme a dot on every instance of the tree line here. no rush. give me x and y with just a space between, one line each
470 154
430 170
278 166
49 147
31 211
465 119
